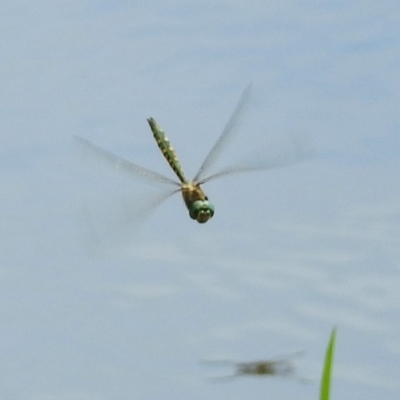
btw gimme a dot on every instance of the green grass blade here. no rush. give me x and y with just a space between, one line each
325 391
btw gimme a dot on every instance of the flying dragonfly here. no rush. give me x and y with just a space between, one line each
199 207
274 367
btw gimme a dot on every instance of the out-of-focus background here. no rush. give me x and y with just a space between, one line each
290 252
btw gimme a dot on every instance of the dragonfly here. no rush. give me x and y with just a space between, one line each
281 366
197 203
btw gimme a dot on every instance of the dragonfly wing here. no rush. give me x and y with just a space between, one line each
298 154
219 361
113 221
289 356
120 164
220 378
225 135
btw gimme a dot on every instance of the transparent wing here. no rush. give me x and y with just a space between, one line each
120 164
115 221
224 137
113 210
264 157
299 153
219 378
221 362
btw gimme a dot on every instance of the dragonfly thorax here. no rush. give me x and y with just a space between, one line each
200 209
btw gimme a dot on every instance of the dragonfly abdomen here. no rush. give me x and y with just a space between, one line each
166 148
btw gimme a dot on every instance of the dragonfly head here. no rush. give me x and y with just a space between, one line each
201 211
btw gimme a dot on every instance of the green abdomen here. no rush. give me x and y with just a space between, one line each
167 149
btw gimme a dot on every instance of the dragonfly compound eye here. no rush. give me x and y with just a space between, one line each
201 211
